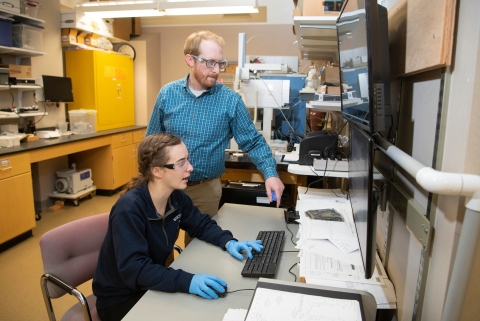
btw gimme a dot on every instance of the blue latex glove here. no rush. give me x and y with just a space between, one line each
202 285
234 248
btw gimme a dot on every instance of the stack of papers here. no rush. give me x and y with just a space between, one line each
329 252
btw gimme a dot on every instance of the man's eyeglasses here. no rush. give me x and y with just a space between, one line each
210 63
181 164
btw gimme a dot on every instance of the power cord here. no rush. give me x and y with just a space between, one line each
291 238
290 271
240 290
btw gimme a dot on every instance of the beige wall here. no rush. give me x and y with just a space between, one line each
147 67
268 40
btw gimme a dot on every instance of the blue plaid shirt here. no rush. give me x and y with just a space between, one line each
206 124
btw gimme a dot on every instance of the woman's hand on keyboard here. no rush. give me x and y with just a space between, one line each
235 247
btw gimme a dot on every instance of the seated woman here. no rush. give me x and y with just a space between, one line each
143 227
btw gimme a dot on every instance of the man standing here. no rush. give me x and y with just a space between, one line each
206 115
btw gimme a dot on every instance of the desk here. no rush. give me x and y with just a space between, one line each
201 257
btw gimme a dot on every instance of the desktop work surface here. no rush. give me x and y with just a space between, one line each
200 257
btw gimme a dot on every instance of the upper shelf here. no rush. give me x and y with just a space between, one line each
6 115
20 52
317 37
20 87
21 17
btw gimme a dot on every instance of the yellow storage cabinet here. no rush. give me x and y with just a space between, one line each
102 81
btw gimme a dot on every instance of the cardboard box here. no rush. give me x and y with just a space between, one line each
136 26
106 27
331 75
81 37
76 19
122 28
10 6
321 8
91 40
69 36
333 90
19 71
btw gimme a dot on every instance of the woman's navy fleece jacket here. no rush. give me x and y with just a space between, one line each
138 242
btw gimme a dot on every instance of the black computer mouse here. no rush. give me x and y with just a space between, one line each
220 294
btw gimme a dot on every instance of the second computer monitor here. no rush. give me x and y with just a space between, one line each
360 184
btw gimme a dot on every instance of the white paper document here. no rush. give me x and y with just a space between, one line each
384 294
328 249
312 267
274 305
235 315
346 244
341 234
318 229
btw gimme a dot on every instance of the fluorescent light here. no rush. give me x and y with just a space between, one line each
211 10
117 9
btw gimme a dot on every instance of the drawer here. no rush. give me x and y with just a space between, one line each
138 135
14 165
122 139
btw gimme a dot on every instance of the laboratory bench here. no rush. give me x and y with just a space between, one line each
110 154
112 157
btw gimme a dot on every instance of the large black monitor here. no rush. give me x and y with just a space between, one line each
362 32
360 185
57 89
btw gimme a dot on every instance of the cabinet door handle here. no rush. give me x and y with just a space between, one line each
6 168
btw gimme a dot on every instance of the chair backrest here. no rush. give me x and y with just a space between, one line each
70 251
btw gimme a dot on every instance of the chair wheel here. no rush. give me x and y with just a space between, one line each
38 216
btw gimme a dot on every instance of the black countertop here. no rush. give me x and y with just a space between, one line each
47 142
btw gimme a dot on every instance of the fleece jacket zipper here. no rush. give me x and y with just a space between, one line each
163 229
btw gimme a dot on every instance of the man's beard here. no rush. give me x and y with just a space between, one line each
205 81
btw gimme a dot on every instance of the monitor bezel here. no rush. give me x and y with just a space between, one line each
367 245
379 117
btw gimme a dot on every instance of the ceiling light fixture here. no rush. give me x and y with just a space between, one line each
121 9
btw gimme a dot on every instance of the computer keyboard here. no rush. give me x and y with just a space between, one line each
264 263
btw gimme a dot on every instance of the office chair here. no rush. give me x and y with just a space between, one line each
70 256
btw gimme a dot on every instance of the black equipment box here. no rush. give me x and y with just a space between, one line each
245 193
322 144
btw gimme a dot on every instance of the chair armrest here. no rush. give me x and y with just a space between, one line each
67 288
59 282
